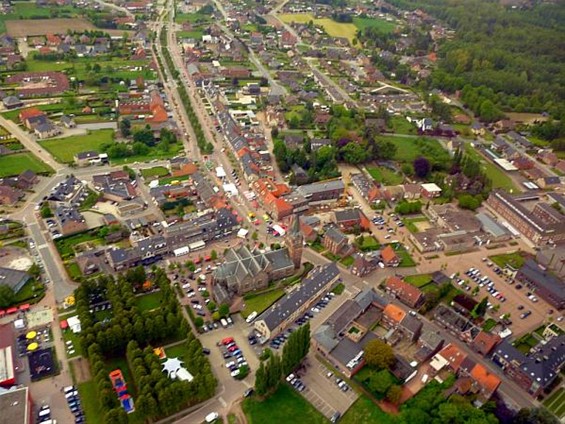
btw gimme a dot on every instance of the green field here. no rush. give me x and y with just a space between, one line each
556 403
515 260
385 176
407 148
156 171
401 126
89 396
64 149
498 177
365 411
65 245
410 223
332 28
284 406
148 302
381 24
419 280
15 164
261 301
197 35
405 258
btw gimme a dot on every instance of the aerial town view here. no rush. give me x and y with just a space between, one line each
282 211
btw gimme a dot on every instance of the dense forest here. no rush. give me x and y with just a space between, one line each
513 59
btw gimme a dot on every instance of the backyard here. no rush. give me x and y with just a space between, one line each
65 245
365 411
64 149
385 175
261 301
156 171
11 165
419 280
556 403
284 406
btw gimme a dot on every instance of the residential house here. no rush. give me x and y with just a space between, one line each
86 158
411 326
67 121
46 130
485 342
69 220
406 293
429 343
9 195
389 256
456 323
12 102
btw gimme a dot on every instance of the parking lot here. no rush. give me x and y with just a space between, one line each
322 391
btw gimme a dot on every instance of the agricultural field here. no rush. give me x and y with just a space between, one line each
64 149
15 164
26 28
382 25
332 28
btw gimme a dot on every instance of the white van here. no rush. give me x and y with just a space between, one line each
211 417
44 413
224 323
68 388
251 317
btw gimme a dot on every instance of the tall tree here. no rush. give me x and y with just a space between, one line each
379 354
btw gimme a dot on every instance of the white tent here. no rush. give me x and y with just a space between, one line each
74 324
174 369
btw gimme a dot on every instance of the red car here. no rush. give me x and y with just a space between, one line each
231 349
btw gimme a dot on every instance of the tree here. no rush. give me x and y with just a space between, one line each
261 380
421 167
378 354
394 393
466 201
380 382
125 127
7 296
34 271
211 306
535 416
213 255
144 136
45 211
224 310
198 322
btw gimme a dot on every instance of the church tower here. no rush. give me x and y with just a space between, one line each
294 242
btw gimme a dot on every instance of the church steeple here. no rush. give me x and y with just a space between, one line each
294 242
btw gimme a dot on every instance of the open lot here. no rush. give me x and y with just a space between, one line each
333 28
11 165
498 177
385 176
365 411
64 149
25 28
284 406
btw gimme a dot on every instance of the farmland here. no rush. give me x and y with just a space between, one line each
333 28
25 28
11 165
64 149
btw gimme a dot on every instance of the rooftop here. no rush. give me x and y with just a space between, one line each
14 405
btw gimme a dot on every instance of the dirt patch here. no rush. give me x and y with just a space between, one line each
24 28
422 225
81 370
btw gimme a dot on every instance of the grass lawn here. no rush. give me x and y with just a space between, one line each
156 171
339 288
515 260
401 126
68 335
419 280
382 25
65 245
150 301
405 258
178 351
15 164
368 243
489 324
89 398
197 35
260 302
284 406
365 411
333 28
347 261
73 270
498 177
64 149
556 402
169 180
385 176
31 292
409 223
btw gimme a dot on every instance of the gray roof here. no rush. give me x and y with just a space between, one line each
336 235
279 259
411 323
326 337
490 225
347 215
239 263
344 315
544 279
12 277
86 155
430 337
322 186
318 278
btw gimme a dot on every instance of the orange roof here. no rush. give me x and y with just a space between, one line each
282 206
388 254
405 290
489 382
394 312
485 342
31 112
453 355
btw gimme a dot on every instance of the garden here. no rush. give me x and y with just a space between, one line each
13 165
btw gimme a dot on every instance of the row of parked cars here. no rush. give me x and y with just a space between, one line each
486 282
73 400
295 382
233 356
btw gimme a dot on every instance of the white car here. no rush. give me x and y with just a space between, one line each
289 377
211 417
235 373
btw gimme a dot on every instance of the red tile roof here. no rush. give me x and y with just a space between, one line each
453 355
394 313
388 254
405 291
485 342
487 381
